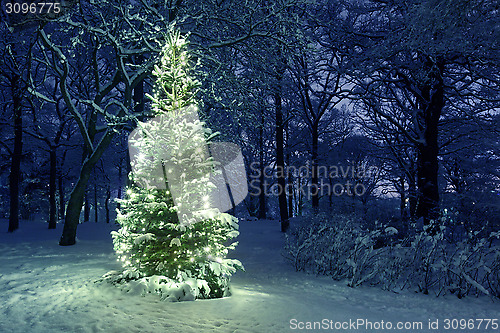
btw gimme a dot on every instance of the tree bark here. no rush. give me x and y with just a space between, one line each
289 175
86 208
120 179
280 162
61 196
52 189
128 169
314 167
15 167
402 194
427 162
96 210
139 96
75 202
262 179
300 203
412 195
106 203
289 188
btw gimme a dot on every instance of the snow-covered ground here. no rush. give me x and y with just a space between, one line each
48 288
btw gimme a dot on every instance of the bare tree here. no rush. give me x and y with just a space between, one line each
419 57
103 104
15 61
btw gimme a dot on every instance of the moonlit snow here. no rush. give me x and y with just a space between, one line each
48 288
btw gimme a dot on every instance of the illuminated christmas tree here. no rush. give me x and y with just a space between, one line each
172 240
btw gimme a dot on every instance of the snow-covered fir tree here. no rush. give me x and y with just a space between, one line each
175 245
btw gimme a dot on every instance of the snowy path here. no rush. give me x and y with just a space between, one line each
48 288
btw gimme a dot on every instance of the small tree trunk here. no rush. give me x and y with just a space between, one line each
106 203
96 210
314 167
262 179
290 194
280 163
262 194
86 208
295 197
139 97
15 167
412 195
402 194
128 169
289 176
52 189
300 203
61 197
120 179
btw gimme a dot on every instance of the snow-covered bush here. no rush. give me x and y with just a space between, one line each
464 267
427 262
365 261
319 245
184 288
492 275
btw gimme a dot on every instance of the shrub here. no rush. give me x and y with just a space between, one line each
339 246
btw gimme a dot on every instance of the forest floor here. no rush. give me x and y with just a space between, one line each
48 288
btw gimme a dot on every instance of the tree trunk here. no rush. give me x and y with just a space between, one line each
52 189
300 201
262 179
96 210
75 202
61 197
61 187
86 208
106 203
289 175
290 190
120 178
139 98
314 167
402 194
428 195
412 197
15 167
74 208
262 194
128 169
280 162
427 163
